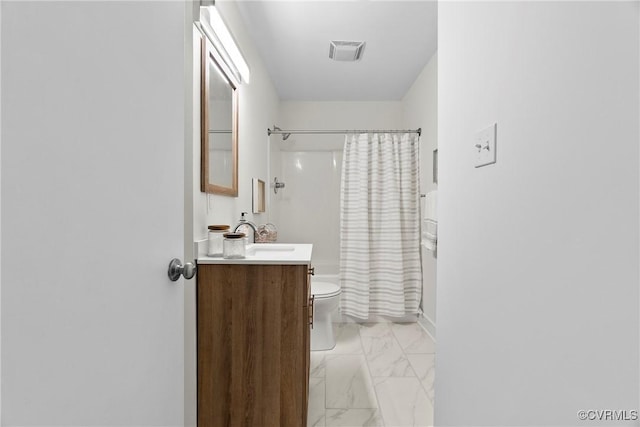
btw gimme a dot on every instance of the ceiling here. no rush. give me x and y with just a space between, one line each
293 39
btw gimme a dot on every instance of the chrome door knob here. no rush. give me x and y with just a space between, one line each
188 270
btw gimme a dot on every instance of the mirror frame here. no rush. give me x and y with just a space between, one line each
209 56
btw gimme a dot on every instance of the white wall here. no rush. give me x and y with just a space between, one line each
420 110
0 217
538 254
308 208
258 109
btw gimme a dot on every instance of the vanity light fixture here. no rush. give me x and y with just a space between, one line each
222 39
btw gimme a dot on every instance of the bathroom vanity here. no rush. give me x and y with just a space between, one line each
253 324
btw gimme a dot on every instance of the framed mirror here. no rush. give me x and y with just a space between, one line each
219 126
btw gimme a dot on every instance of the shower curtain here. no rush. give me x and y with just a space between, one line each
380 267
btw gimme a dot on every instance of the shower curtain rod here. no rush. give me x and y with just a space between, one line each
284 132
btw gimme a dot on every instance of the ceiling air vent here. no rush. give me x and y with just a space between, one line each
345 51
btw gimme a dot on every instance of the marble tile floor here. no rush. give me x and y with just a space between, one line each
378 374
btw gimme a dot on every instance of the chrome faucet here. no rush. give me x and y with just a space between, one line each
244 221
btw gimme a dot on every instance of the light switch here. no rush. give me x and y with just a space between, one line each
485 146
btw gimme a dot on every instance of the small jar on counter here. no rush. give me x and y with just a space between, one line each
216 236
234 245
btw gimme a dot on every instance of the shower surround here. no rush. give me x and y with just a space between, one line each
308 208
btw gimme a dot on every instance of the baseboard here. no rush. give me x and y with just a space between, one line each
428 325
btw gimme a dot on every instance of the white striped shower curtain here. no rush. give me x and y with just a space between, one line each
380 267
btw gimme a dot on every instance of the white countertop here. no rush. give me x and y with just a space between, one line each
263 253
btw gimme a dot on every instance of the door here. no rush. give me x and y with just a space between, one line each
92 175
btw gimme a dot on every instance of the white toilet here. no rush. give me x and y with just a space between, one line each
325 299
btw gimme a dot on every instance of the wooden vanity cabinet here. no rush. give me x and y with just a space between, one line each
253 345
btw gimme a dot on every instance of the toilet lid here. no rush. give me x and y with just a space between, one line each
324 289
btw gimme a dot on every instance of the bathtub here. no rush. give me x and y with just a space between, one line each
329 273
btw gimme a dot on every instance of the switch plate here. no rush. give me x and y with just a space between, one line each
485 146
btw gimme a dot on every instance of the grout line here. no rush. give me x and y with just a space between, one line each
418 378
362 354
324 361
406 355
411 364
426 332
372 378
424 354
375 392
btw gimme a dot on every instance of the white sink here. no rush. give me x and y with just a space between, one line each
265 249
266 253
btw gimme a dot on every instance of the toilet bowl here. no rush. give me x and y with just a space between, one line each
326 296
